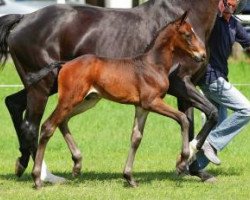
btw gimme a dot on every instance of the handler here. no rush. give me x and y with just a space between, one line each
216 87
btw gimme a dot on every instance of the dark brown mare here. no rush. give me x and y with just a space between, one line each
141 81
63 32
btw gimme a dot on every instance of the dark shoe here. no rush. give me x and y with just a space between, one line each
210 153
204 176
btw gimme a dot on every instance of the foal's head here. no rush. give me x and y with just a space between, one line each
179 37
186 40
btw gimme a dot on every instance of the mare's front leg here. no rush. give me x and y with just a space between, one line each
16 104
37 97
158 106
186 90
137 133
186 107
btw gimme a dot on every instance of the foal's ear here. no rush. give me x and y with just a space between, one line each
183 18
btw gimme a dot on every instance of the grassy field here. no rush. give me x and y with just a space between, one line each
103 135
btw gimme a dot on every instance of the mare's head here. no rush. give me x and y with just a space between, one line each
185 39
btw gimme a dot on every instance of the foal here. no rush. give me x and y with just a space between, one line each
141 81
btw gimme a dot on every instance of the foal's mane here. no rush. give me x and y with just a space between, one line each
164 29
156 35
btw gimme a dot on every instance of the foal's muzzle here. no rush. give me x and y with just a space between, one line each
200 57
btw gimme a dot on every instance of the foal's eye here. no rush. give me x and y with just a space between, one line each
188 36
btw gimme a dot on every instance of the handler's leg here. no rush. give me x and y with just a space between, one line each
225 94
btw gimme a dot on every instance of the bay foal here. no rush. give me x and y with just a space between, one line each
141 81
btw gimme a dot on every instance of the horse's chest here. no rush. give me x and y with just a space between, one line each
158 82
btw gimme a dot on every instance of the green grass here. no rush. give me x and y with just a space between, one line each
103 135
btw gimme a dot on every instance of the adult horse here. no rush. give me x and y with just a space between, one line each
63 32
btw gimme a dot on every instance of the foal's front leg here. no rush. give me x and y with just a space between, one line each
139 123
158 106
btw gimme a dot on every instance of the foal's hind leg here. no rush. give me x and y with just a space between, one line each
88 103
75 152
47 130
139 123
63 111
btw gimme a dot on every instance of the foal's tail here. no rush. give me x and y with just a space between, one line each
6 24
34 77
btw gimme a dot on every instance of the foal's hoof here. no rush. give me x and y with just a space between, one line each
19 168
131 181
181 167
76 172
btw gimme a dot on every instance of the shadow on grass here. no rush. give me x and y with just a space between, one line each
12 177
231 171
101 176
141 177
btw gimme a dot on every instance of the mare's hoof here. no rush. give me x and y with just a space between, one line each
19 168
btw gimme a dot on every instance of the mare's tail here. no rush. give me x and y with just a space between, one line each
6 24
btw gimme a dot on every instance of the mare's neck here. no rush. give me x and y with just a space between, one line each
157 13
